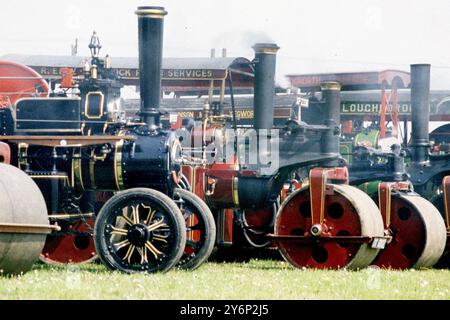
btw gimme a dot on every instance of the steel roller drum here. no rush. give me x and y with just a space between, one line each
23 221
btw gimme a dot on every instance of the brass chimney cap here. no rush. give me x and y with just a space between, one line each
330 85
151 12
267 48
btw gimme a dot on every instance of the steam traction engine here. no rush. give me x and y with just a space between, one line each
325 224
414 232
77 148
150 224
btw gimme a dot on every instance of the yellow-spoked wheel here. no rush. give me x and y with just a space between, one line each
140 230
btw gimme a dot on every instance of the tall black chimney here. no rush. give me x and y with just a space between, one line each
150 29
420 111
265 62
331 94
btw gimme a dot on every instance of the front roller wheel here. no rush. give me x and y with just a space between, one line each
140 230
347 212
200 229
418 231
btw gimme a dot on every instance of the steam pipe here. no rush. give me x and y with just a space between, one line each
420 111
150 29
265 63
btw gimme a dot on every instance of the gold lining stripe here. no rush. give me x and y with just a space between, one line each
235 191
68 215
48 177
118 174
86 105
78 171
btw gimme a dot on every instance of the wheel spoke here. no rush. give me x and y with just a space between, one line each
129 253
153 249
151 213
162 230
160 238
122 244
118 231
127 220
135 212
157 225
143 253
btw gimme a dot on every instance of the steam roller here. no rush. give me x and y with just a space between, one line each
338 231
24 222
414 226
328 224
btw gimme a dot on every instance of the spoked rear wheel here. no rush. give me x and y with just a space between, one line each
348 212
140 230
200 229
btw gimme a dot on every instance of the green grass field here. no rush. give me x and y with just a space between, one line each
255 279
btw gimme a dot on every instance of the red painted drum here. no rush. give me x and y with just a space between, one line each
418 234
347 212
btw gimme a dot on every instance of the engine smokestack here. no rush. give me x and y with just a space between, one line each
265 63
331 94
420 111
150 30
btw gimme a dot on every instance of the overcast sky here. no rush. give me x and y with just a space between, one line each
314 36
